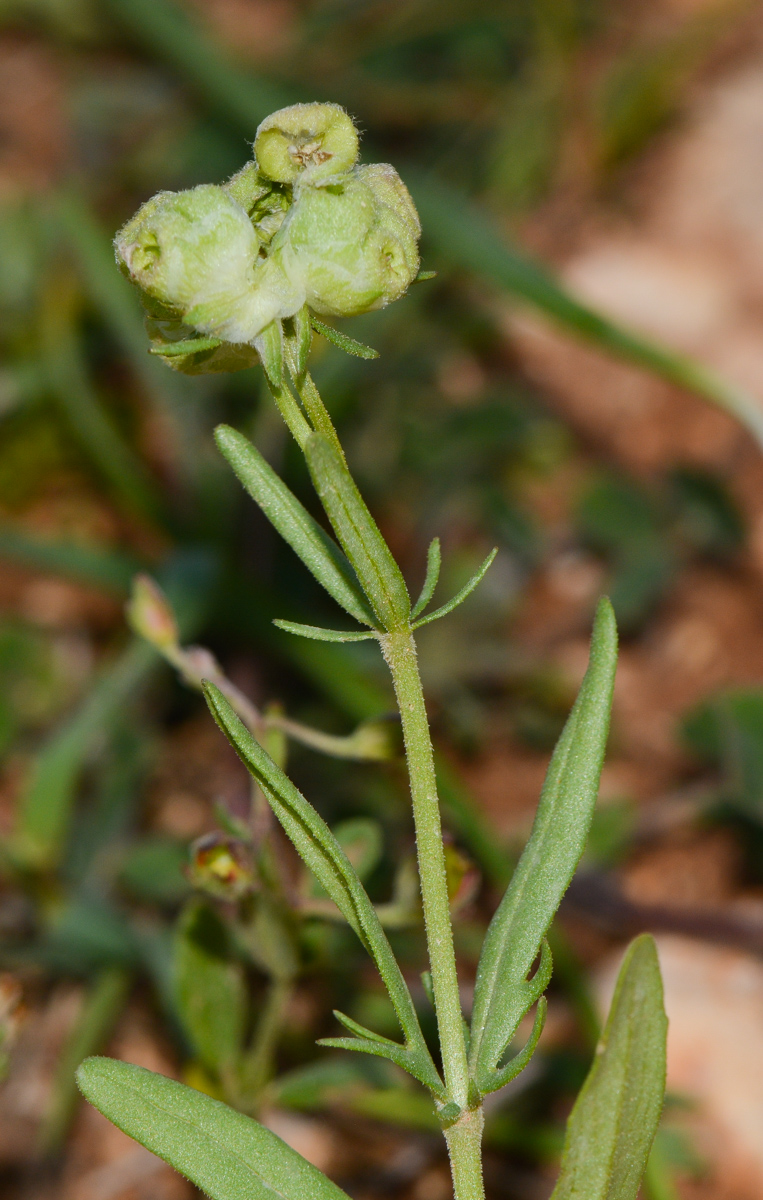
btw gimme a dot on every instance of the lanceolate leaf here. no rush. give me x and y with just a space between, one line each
186 346
518 1063
613 1123
366 1041
358 533
459 597
432 575
317 633
502 993
342 341
324 856
318 552
227 1155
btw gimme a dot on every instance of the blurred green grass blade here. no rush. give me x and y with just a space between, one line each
44 813
464 235
209 990
463 816
613 1123
116 302
100 1012
169 33
502 992
42 820
95 430
323 855
112 295
227 1155
101 567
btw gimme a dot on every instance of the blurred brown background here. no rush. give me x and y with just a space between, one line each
619 145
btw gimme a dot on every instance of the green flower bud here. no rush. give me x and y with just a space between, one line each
150 615
300 228
265 203
221 866
197 254
352 246
311 143
396 210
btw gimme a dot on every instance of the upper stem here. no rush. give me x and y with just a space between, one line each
400 652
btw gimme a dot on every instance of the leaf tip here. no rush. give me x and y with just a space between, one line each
605 622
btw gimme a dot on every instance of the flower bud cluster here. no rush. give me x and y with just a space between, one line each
301 227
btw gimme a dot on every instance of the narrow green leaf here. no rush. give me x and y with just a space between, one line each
318 634
518 1063
613 1123
423 276
459 597
358 533
186 346
381 1049
342 341
227 1155
269 346
434 559
298 337
320 850
209 989
366 1041
502 992
318 552
360 1030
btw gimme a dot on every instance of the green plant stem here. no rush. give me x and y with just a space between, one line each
317 412
464 1135
464 1139
258 1067
291 413
399 650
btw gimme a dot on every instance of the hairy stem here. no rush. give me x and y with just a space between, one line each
317 412
464 1140
400 652
291 413
464 1135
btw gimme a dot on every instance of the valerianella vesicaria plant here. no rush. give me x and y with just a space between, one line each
236 273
